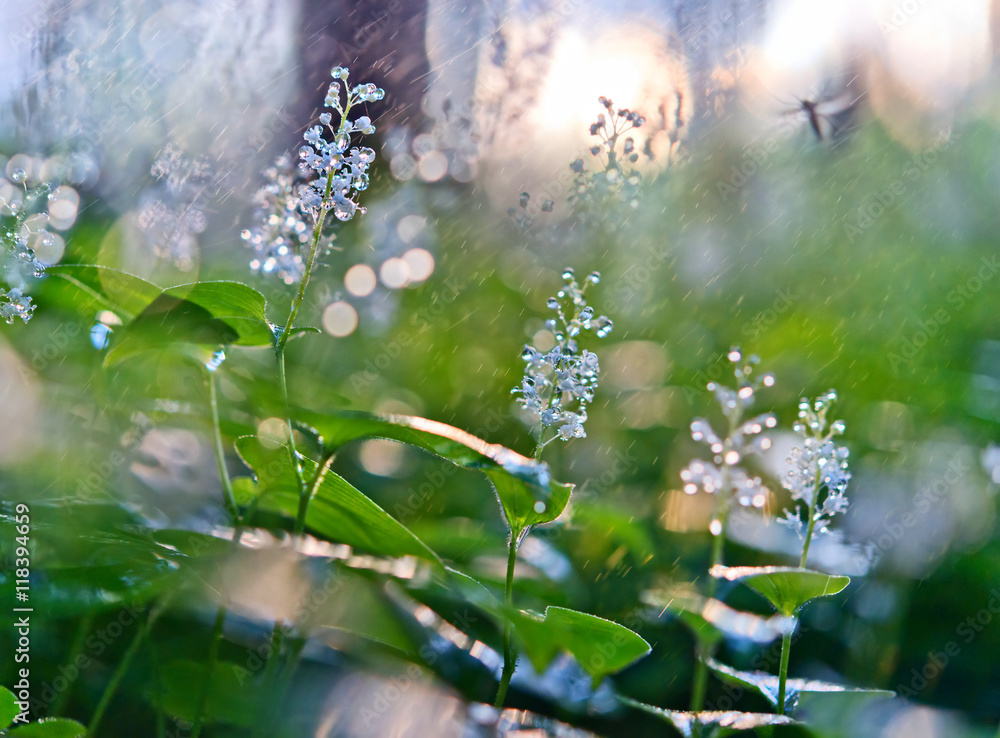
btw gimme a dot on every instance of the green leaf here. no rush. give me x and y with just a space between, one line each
527 494
124 294
711 724
525 505
8 707
767 685
354 605
50 728
600 646
203 313
787 588
97 557
338 511
710 620
231 697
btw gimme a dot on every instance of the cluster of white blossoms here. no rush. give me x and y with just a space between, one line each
818 466
723 474
22 230
559 384
331 175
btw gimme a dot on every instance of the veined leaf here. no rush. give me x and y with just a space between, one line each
787 588
600 646
711 724
711 619
527 493
338 511
767 685
203 313
124 294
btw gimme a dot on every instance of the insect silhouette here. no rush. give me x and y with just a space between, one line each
829 118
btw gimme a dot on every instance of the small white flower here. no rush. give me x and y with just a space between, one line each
558 384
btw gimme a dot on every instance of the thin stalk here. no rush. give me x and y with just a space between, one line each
699 682
314 246
220 457
786 647
509 656
809 533
75 650
311 489
119 674
213 655
270 672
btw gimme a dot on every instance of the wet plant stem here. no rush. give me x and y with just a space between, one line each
808 538
122 669
705 651
509 656
75 650
220 457
786 647
270 674
206 687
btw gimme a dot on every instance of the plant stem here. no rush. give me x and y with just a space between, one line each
509 657
229 498
74 651
786 647
699 682
213 655
809 533
270 672
119 674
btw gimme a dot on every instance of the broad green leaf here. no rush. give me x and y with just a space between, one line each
600 646
203 313
231 695
50 728
191 544
711 724
124 294
710 619
767 685
351 603
787 588
528 496
8 707
96 557
338 511
525 505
